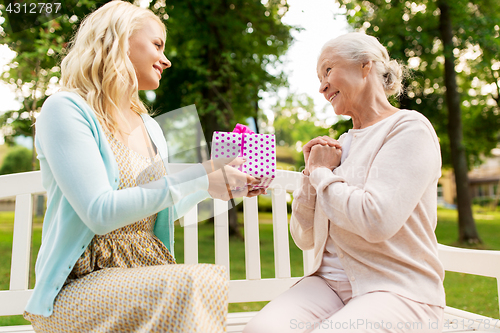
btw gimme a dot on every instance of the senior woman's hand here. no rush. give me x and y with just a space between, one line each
323 156
320 140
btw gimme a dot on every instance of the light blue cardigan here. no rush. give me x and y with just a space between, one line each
81 176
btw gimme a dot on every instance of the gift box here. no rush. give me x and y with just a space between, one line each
258 149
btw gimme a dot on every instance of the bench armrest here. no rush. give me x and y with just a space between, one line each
477 262
469 261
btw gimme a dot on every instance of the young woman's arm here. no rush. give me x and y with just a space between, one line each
71 145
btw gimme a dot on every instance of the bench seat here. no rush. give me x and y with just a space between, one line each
458 321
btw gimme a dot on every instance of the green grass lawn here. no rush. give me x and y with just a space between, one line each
471 293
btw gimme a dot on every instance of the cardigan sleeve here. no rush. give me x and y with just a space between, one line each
68 139
405 166
302 220
184 205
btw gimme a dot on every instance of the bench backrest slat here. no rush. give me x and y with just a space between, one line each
280 234
221 233
190 223
21 243
285 182
252 245
13 302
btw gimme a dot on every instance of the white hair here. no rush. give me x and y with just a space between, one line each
360 47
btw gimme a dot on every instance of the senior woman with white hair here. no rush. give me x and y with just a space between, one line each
367 207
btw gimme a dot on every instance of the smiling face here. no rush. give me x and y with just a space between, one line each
146 46
341 82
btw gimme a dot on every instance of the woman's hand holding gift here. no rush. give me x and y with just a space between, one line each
224 178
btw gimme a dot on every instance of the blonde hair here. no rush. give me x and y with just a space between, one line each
361 47
97 66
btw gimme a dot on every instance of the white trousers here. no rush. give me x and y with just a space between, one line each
319 305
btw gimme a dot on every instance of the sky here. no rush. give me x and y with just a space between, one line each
319 23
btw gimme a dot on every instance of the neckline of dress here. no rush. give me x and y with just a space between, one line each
130 149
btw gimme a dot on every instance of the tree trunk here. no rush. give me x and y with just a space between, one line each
466 225
257 130
256 117
33 151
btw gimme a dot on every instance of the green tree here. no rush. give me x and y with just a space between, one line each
35 66
17 159
452 49
296 123
222 54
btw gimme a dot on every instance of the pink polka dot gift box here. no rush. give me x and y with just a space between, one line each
258 149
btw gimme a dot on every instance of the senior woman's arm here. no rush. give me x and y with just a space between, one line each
302 220
404 168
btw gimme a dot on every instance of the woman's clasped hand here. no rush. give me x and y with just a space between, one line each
322 151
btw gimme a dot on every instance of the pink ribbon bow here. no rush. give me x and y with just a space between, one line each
242 129
239 128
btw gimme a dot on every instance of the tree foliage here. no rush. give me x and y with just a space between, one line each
35 67
17 159
223 53
296 122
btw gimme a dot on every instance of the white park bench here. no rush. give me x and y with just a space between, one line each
253 288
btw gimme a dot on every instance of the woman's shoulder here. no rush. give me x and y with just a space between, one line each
409 115
411 122
66 104
412 118
65 95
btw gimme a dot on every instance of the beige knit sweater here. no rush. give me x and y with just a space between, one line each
379 206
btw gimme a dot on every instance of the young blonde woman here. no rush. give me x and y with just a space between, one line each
106 262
